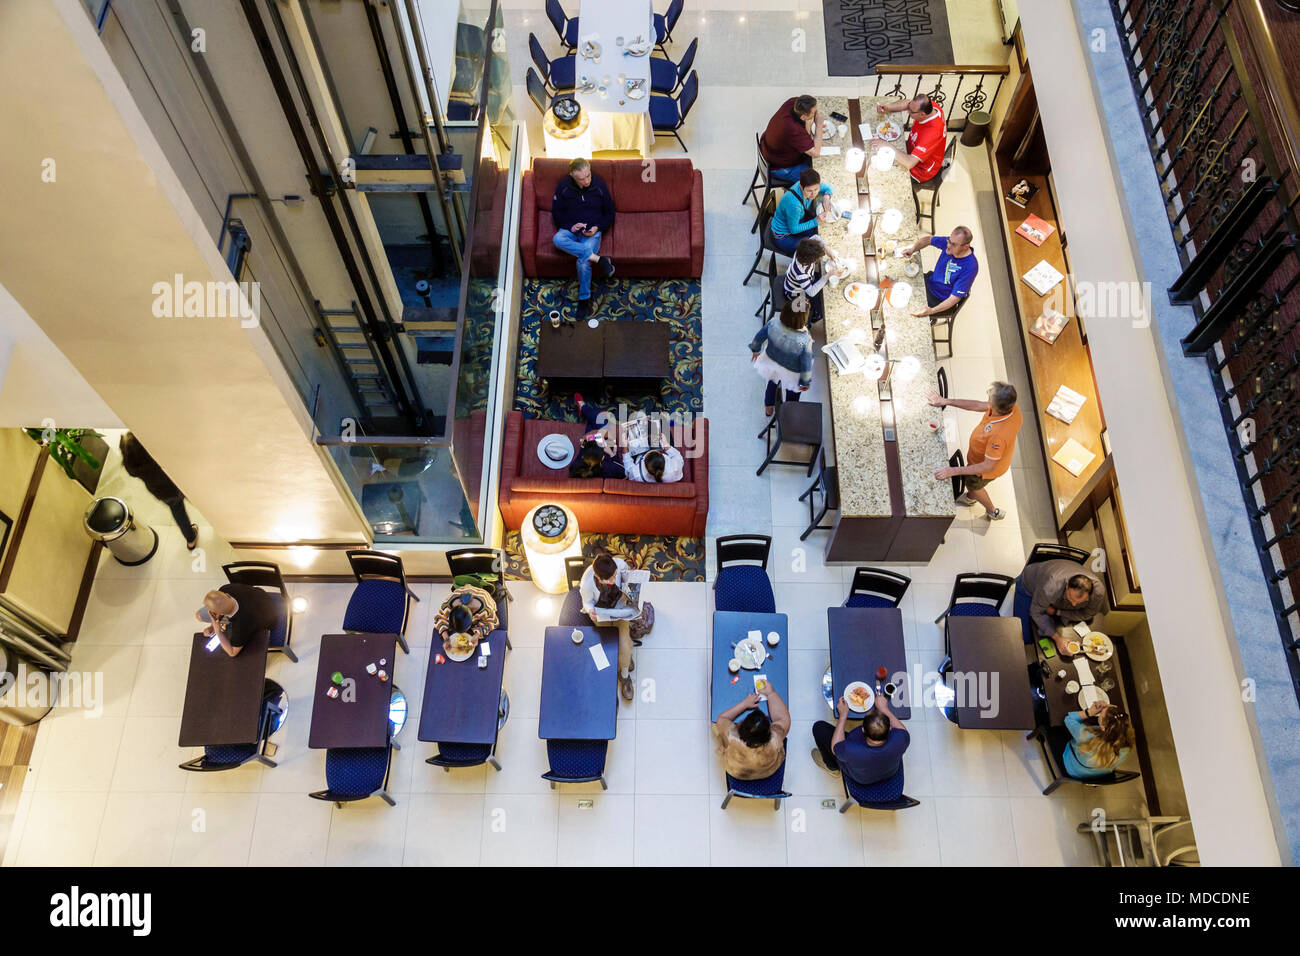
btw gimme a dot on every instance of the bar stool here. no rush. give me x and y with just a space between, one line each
932 185
958 481
942 377
947 320
766 242
762 177
798 423
774 301
827 484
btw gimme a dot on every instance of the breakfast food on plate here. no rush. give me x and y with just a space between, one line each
858 697
1073 647
888 130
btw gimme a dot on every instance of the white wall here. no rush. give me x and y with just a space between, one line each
1190 625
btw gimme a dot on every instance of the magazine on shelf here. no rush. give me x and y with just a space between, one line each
1021 193
1073 457
1065 404
1050 325
630 584
1035 230
1043 278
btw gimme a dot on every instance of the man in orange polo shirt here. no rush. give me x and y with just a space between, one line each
991 444
926 140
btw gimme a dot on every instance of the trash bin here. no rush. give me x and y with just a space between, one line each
27 690
976 128
110 520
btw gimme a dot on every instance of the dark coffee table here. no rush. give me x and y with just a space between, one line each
636 349
612 350
571 351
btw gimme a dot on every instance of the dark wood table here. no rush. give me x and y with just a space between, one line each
636 350
571 351
223 694
731 627
461 699
1059 703
578 701
363 722
983 647
862 640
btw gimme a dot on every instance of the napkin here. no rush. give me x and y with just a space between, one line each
756 635
867 131
598 655
830 150
760 678
1082 629
1084 671
485 648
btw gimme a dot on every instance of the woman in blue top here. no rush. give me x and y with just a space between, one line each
1100 739
796 213
783 355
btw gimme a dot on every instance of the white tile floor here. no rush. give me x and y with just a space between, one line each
107 790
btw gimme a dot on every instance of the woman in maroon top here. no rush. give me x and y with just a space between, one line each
790 142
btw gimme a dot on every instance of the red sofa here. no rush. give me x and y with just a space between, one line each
602 504
658 226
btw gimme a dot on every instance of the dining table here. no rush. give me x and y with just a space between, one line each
726 689
864 639
462 700
223 694
579 684
989 674
359 715
1105 674
618 98
889 441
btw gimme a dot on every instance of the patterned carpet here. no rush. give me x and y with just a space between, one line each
675 301
667 559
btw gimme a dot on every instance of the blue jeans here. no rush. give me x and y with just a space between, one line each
790 173
1020 608
788 244
769 396
580 247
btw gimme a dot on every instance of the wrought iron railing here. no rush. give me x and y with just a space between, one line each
943 84
1206 78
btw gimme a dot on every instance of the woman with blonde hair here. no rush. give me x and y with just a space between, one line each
1100 739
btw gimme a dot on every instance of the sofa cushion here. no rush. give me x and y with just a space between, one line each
556 486
645 489
535 429
651 238
668 191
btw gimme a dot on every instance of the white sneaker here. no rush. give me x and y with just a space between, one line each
966 500
997 514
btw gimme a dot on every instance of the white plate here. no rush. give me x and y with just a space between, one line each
638 49
1105 652
871 697
912 269
889 131
751 653
1090 693
460 655
636 93
862 294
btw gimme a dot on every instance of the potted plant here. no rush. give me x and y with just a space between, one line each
80 452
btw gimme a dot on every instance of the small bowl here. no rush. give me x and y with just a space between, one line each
1072 687
773 638
1073 648
733 665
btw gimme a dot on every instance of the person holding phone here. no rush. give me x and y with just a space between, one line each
235 614
583 211
752 743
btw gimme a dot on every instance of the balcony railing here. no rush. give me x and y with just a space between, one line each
1221 125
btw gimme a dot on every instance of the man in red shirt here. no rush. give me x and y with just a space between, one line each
792 139
925 141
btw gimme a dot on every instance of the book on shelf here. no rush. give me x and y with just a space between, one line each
1021 193
1050 325
1043 278
1035 230
1073 457
1065 404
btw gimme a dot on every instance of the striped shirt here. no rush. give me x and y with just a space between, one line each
800 278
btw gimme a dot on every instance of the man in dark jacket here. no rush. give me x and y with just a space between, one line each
583 209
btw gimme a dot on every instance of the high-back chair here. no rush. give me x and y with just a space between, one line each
976 594
463 561
766 243
874 587
576 761
958 460
356 773
668 115
566 29
885 795
942 325
740 585
266 575
558 73
666 76
571 609
1045 551
664 23
762 178
381 601
941 376
451 754
275 707
792 423
1054 760
774 300
826 486
768 788
932 185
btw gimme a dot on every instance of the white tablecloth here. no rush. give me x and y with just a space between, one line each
619 125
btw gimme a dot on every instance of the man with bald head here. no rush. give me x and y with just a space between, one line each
236 614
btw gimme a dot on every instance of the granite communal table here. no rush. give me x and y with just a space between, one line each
888 440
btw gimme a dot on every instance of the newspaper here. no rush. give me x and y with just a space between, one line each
642 433
630 584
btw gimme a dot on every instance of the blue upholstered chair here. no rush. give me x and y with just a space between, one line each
769 788
975 595
666 76
557 73
668 115
743 587
886 795
381 602
464 561
266 575
873 587
355 773
565 28
451 754
275 707
664 23
1043 551
576 761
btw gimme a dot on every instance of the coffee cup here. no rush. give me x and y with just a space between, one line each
733 665
891 689
555 319
577 636
773 638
